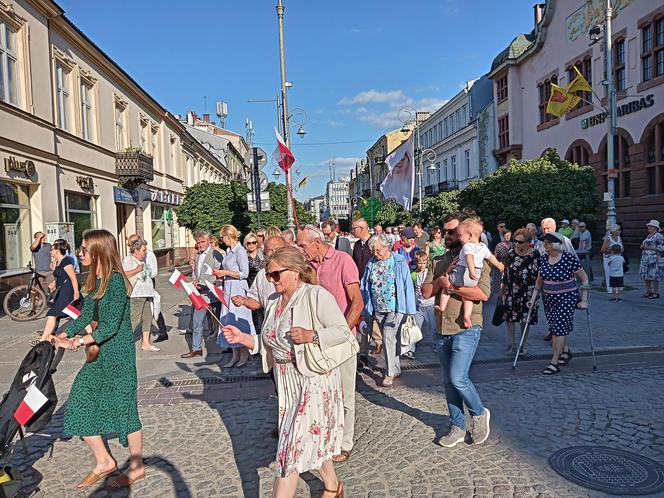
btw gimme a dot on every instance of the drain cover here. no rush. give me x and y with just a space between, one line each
610 470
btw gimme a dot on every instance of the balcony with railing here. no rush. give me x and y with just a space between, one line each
133 168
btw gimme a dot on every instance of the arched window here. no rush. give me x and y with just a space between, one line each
654 146
621 168
579 153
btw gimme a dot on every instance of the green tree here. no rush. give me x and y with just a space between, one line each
434 209
211 205
392 214
532 190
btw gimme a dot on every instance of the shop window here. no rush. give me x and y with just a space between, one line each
81 212
8 64
164 229
15 233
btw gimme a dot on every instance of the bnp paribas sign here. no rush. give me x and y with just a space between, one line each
622 110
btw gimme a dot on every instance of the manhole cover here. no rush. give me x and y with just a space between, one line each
612 471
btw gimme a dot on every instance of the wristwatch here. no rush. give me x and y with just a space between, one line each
81 342
315 339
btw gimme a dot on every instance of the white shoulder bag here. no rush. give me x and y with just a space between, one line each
410 332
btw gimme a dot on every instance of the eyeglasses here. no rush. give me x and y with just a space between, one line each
520 241
252 242
274 276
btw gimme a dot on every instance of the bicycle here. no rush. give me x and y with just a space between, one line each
28 301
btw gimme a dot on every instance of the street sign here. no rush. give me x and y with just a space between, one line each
262 181
265 202
262 157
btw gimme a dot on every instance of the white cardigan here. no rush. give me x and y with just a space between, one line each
330 324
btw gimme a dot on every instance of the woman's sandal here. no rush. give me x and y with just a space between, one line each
551 369
93 478
124 481
647 294
565 358
341 457
339 492
653 296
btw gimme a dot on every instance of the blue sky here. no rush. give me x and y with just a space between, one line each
353 64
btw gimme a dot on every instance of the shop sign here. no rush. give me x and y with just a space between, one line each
124 196
622 110
165 197
26 167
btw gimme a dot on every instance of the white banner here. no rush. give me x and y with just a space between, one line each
399 184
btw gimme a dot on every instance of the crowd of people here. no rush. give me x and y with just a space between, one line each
315 304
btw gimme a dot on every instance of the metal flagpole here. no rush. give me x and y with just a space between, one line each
611 102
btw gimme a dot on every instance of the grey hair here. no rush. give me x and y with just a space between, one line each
136 245
558 246
313 233
199 232
288 233
379 239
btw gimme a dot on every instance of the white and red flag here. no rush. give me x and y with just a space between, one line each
176 279
71 311
282 154
194 296
30 405
217 291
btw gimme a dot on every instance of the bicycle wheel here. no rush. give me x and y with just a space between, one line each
23 305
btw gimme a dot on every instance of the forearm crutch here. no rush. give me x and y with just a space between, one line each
524 335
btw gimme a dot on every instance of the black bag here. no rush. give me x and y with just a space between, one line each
499 314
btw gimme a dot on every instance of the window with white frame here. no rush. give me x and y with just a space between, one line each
87 111
466 158
453 167
144 136
63 95
445 169
154 144
464 114
120 128
445 126
458 118
8 64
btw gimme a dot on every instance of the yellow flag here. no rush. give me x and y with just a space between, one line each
302 183
579 83
561 102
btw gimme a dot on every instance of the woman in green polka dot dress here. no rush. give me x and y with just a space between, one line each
103 397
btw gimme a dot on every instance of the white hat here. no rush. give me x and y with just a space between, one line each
653 223
565 221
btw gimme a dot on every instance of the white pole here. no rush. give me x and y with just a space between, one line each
611 102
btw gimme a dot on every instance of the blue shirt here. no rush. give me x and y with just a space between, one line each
383 286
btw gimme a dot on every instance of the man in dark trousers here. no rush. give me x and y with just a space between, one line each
361 255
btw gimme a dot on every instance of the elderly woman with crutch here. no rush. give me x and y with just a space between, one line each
556 283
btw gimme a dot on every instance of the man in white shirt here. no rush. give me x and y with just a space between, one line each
548 225
585 249
261 290
151 262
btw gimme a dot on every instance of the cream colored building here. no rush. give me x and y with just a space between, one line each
81 142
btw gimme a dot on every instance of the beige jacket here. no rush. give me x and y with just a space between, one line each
327 319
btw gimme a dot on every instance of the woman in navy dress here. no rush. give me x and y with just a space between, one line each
556 282
235 271
66 284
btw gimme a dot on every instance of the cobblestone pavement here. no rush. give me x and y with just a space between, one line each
219 444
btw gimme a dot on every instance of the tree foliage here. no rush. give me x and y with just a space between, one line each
532 190
393 214
211 205
434 209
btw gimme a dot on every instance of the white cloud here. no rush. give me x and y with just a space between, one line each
374 96
340 161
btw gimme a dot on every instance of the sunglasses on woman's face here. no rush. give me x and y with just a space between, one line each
274 276
252 243
520 241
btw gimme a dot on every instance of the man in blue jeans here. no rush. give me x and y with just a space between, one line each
457 345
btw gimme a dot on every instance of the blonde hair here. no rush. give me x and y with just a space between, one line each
105 260
273 232
526 232
292 258
250 235
230 231
473 226
214 241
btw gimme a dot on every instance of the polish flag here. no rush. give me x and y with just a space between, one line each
30 405
217 291
176 279
194 296
282 154
71 311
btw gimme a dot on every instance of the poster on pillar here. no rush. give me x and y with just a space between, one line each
11 245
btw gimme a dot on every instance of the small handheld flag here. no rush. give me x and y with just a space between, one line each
194 296
176 279
71 311
30 405
217 291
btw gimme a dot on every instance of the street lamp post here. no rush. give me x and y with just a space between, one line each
611 102
419 153
284 108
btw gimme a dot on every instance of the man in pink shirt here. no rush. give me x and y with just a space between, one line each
337 274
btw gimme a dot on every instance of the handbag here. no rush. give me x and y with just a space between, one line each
322 362
92 350
499 314
410 332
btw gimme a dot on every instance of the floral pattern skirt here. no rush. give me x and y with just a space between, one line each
311 419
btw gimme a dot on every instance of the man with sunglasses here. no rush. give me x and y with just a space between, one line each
456 345
337 274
